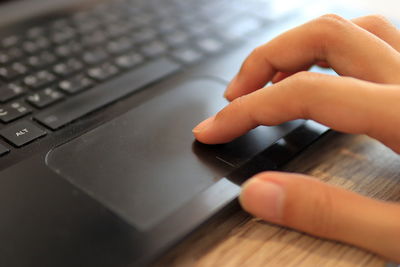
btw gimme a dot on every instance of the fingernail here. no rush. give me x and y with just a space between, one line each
228 90
203 125
226 94
264 199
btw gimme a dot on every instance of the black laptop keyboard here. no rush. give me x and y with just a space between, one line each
54 74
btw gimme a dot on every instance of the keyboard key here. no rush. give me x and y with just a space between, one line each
30 47
117 29
119 46
209 44
39 79
102 72
94 56
187 17
94 38
164 10
143 35
59 24
42 42
13 111
68 67
3 150
44 98
41 60
68 49
10 55
87 25
176 38
197 28
4 57
62 34
187 55
10 41
110 17
128 60
80 17
12 71
35 32
74 108
153 49
75 84
21 133
14 53
238 28
140 19
167 25
11 90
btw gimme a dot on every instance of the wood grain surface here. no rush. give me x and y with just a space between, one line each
355 162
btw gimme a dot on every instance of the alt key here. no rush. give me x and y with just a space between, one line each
21 133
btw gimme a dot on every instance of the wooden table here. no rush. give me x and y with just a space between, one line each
355 162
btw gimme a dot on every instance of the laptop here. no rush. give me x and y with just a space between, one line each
98 164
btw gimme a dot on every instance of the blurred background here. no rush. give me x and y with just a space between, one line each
350 8
390 8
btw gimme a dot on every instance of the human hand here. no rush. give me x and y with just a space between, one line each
364 99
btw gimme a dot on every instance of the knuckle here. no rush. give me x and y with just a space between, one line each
324 32
221 114
331 20
316 214
322 212
305 79
302 76
256 54
301 83
238 105
376 21
235 107
257 51
241 105
296 83
308 76
303 91
297 88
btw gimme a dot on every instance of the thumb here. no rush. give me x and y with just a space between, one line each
303 203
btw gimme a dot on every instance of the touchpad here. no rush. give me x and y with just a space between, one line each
145 164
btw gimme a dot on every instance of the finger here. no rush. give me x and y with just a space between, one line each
299 202
341 103
375 24
279 76
322 64
347 48
380 27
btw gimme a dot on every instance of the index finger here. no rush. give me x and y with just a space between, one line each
341 103
348 48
